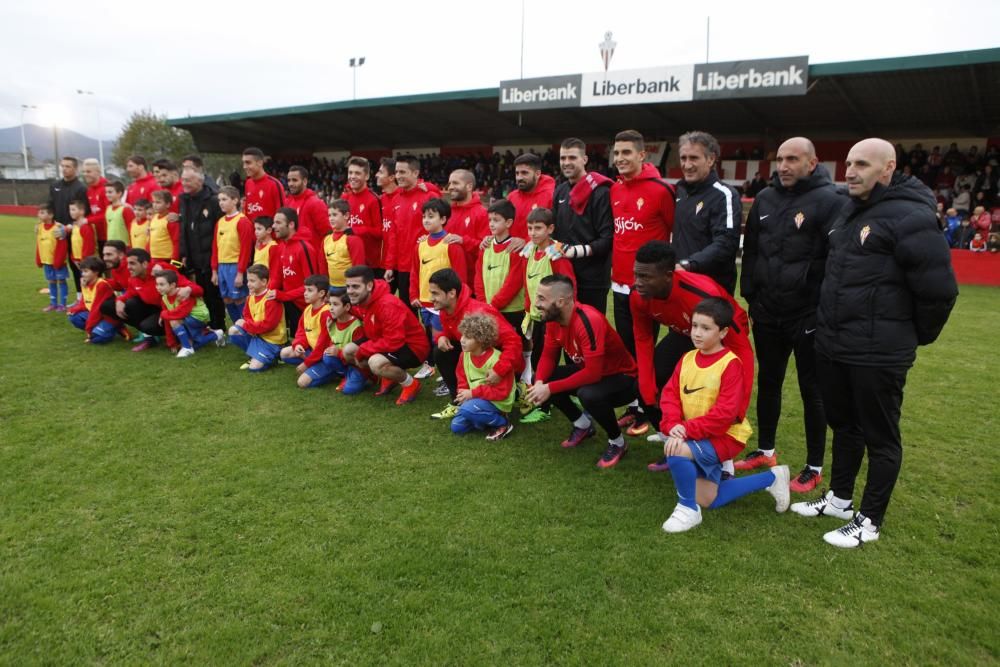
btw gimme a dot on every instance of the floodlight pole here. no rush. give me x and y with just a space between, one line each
708 35
354 64
100 143
24 141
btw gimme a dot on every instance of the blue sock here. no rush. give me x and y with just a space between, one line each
53 293
63 291
204 338
235 311
737 487
685 476
183 337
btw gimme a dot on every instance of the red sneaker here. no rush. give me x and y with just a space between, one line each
659 466
757 459
143 345
638 428
805 481
578 435
385 386
612 455
342 384
627 419
409 394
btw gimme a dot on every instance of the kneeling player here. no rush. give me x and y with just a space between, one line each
85 314
344 329
311 338
185 319
261 331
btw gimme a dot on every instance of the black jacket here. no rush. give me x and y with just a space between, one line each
707 224
595 227
889 285
784 247
61 194
199 212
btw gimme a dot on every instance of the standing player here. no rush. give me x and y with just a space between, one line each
313 225
407 221
97 197
164 235
143 183
263 193
298 261
470 222
341 249
51 250
232 248
534 190
385 178
366 215
118 216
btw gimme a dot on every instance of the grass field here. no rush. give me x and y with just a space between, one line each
155 510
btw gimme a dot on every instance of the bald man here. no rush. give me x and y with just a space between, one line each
888 288
784 252
469 223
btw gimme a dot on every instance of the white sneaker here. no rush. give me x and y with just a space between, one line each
823 507
425 371
185 352
656 437
779 488
684 518
854 534
220 338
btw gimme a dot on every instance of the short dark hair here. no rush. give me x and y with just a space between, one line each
70 158
137 159
559 279
540 214
95 264
439 205
340 205
704 139
389 164
194 159
253 151
264 221
447 280
164 163
230 191
259 270
504 208
301 170
633 136
529 159
116 244
141 203
290 214
360 271
169 275
720 310
140 254
46 207
573 142
118 186
322 283
79 203
341 294
410 160
164 195
359 161
659 253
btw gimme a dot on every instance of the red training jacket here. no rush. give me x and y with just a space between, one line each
408 224
102 292
366 222
643 208
298 261
591 343
97 197
314 221
539 197
389 324
470 221
509 342
264 196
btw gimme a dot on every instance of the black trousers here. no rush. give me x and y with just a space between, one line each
599 399
514 318
594 296
138 314
775 343
75 272
623 321
537 343
666 355
212 298
863 406
292 315
402 281
447 363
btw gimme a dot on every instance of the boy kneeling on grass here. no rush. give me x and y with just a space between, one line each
261 331
704 426
86 313
185 319
482 406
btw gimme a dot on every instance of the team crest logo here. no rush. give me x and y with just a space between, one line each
260 193
799 219
468 220
697 209
362 209
534 206
639 203
414 206
687 317
865 231
204 212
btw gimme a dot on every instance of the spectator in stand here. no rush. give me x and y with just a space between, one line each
143 183
314 223
987 184
366 213
964 235
963 200
97 198
978 243
756 185
952 222
981 221
534 190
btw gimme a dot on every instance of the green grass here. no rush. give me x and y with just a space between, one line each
157 511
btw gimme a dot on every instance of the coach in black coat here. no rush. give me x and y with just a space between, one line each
199 211
889 287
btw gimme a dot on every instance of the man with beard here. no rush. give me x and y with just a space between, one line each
97 198
314 223
298 260
143 183
585 226
167 178
365 218
600 372
469 223
534 190
113 254
199 211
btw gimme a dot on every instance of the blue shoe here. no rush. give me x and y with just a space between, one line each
355 382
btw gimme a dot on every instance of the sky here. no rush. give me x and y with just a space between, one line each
201 58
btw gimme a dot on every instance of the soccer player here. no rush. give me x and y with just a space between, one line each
118 216
385 178
86 314
341 249
264 194
296 262
499 273
705 422
50 255
313 226
168 178
143 183
97 198
186 317
164 235
407 218
344 328
395 341
600 372
116 264
365 217
312 337
484 401
232 248
261 331
83 242
534 191
138 231
470 222
266 250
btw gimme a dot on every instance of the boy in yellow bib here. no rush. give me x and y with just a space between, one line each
482 406
704 425
341 249
261 331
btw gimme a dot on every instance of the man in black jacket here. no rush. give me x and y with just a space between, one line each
888 288
784 252
199 211
581 206
65 190
708 215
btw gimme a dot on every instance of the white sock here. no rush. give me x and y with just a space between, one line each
526 375
582 422
407 381
728 467
617 442
840 503
818 471
633 404
767 452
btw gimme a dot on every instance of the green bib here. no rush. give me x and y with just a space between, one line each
534 272
475 376
199 312
341 337
117 231
496 267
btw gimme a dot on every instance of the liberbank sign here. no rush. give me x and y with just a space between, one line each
657 85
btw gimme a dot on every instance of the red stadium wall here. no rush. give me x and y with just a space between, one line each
19 210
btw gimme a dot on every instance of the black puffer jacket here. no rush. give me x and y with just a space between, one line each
784 247
889 285
707 224
199 212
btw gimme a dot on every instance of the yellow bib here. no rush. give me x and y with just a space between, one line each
263 255
496 267
432 258
699 389
88 292
257 313
311 323
338 259
160 244
138 235
227 239
47 241
77 242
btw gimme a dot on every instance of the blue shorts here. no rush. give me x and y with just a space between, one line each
431 318
706 460
263 351
53 274
227 283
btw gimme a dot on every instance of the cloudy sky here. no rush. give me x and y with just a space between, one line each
195 58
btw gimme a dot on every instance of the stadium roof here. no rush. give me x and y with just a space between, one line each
938 95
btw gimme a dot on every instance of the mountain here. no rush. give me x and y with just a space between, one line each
40 145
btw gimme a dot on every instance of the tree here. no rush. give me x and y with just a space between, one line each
148 135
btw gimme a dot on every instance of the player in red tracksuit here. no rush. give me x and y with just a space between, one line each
313 225
385 178
113 254
263 194
662 295
298 261
395 338
534 190
97 197
366 213
469 223
600 372
407 221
